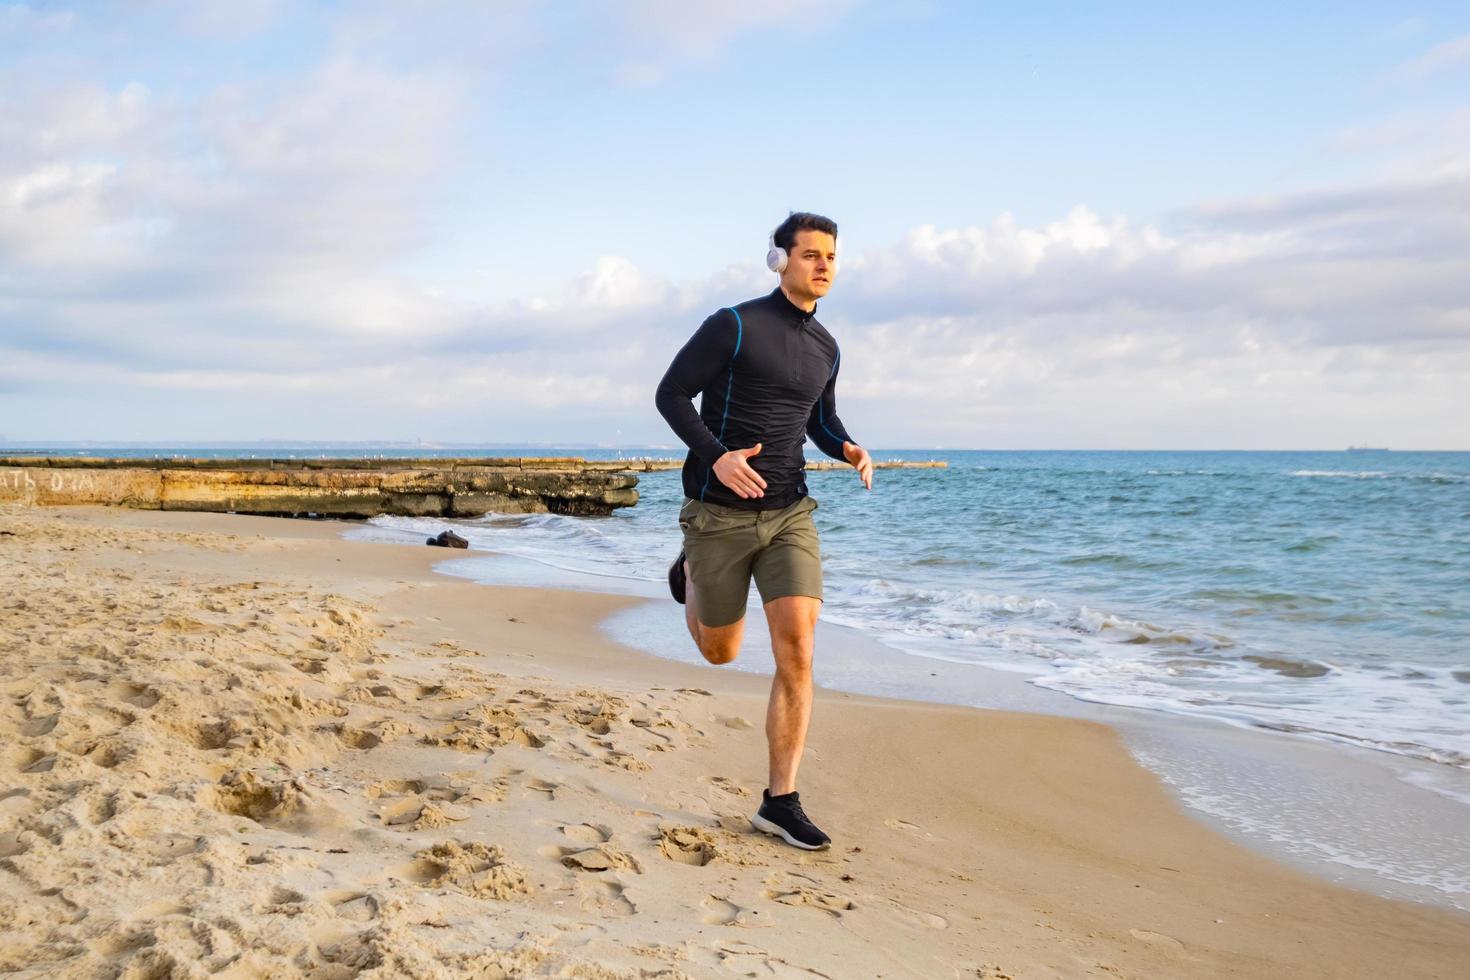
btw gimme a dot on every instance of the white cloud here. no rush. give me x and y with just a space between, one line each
1302 320
284 202
615 282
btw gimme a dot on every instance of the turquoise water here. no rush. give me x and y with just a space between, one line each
1318 592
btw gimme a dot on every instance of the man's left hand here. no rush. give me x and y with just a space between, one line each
861 461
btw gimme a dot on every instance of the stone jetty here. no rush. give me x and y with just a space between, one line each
355 488
346 487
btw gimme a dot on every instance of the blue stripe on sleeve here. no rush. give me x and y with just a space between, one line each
729 387
822 409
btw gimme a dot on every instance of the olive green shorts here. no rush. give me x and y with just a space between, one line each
726 546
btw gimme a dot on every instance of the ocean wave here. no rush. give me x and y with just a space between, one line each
1343 705
1194 473
1436 477
1120 629
1262 597
970 613
1103 656
1310 544
1350 474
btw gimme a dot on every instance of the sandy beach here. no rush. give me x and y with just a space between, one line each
243 747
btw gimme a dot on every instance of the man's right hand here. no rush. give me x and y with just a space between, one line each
735 473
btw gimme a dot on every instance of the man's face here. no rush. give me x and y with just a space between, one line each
811 265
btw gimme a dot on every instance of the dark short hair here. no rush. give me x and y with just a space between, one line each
785 233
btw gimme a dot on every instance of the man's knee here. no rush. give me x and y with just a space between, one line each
793 650
793 639
798 638
719 652
794 665
720 644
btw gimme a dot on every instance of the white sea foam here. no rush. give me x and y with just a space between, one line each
1436 782
1326 816
1434 477
1351 474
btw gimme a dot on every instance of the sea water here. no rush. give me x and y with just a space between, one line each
1323 594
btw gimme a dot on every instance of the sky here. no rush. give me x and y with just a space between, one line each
1061 226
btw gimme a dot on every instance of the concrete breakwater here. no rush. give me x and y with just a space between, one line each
651 464
345 487
358 488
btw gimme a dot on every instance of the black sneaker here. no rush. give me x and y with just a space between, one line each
676 578
782 815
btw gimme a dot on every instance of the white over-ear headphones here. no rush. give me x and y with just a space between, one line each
775 257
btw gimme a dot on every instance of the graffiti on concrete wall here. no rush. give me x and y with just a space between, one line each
58 481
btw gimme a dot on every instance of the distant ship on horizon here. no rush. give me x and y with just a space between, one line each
1367 449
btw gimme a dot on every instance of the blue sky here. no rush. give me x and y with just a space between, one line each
1105 226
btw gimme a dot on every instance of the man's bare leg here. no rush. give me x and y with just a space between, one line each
793 623
717 644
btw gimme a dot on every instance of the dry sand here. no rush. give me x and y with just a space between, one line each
242 747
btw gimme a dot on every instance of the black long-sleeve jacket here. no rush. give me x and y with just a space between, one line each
768 374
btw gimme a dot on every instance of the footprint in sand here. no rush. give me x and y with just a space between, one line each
139 695
590 850
368 693
720 911
920 917
1155 938
587 833
34 760
618 759
604 857
749 960
689 803
396 787
37 727
543 786
354 906
441 692
474 868
101 806
458 788
990 971
419 814
798 890
893 823
605 897
729 786
356 738
687 845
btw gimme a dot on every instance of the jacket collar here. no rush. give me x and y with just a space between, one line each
789 310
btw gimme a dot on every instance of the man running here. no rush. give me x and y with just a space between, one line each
768 374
